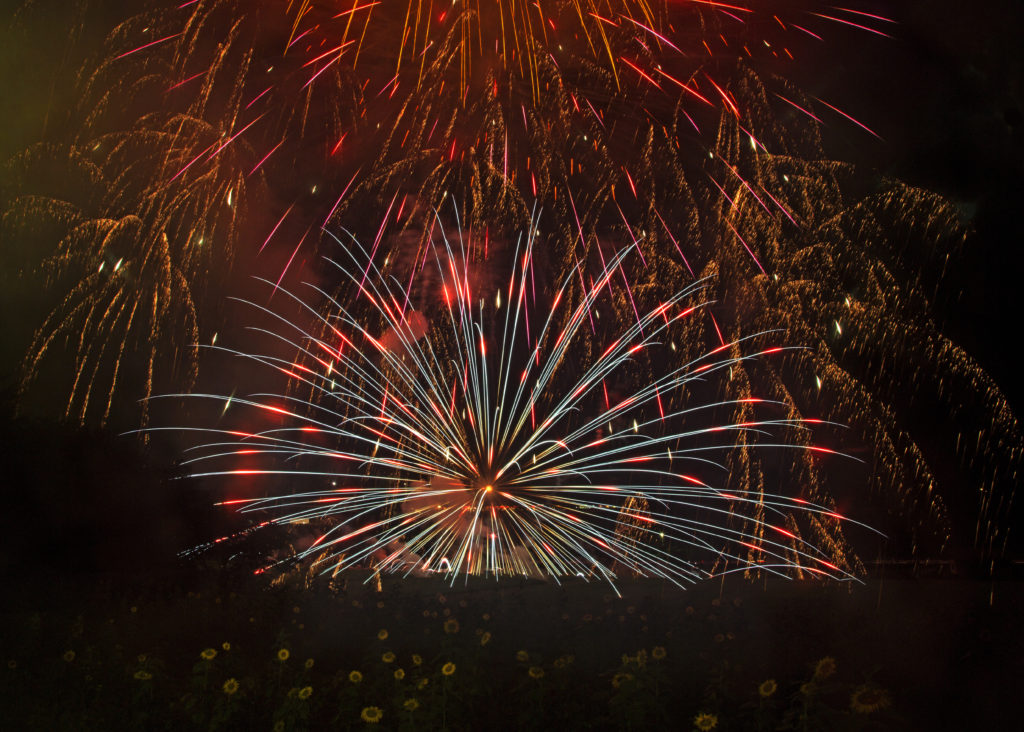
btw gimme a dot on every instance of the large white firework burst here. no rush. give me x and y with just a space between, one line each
471 445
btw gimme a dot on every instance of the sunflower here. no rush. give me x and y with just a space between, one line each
279 725
621 678
824 668
705 721
422 684
283 654
230 686
417 659
866 699
485 638
388 657
382 634
522 656
536 672
767 688
448 669
309 663
305 692
410 705
451 626
69 656
399 674
143 675
209 654
226 646
355 677
371 714
658 653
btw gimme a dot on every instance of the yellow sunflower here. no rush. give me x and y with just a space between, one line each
621 678
423 683
485 638
522 656
417 659
866 699
69 656
143 675
767 688
658 653
705 721
309 663
536 672
209 654
371 714
824 668
382 634
448 669
355 677
230 686
451 625
399 674
411 705
283 654
226 646
305 692
388 657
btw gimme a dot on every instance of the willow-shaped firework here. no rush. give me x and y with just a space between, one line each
431 451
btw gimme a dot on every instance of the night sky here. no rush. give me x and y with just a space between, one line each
111 517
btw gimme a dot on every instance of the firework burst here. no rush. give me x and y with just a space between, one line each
471 446
670 124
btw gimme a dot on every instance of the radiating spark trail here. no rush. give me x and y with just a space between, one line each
516 458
